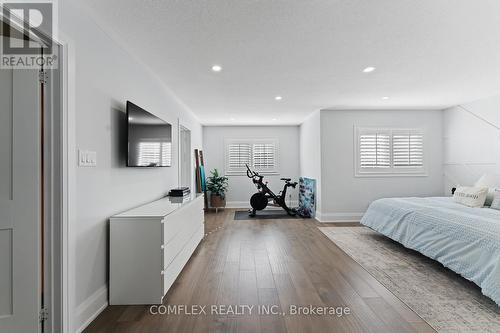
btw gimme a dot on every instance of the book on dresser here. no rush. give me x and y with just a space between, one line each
149 246
179 192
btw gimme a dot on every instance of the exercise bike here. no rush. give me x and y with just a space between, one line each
261 199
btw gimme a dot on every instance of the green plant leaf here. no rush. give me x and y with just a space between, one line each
217 184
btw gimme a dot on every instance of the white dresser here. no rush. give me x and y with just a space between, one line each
149 246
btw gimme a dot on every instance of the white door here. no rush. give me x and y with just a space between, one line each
19 201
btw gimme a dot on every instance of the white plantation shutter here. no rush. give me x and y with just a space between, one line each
238 154
375 150
408 149
259 154
264 156
389 151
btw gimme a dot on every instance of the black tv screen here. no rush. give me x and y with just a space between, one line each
149 139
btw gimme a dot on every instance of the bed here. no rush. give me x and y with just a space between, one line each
464 239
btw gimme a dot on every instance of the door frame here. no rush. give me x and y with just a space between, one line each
58 275
180 126
66 184
64 240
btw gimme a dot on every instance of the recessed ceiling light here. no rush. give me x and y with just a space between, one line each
216 68
232 119
385 98
274 119
278 98
368 69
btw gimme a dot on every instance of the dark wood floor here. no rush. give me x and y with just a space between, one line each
268 262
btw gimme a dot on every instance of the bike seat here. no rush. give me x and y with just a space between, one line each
286 179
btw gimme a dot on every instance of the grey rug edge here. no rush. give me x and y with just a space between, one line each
366 270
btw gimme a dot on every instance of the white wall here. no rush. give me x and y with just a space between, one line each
241 187
345 197
105 77
310 152
471 141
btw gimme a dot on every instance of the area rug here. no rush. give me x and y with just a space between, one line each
263 215
448 302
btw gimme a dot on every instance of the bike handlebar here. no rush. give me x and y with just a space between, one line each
250 173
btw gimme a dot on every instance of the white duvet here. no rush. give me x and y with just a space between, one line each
464 239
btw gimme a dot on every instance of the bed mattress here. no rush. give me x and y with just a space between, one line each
464 239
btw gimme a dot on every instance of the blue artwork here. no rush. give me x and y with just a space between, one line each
307 197
202 177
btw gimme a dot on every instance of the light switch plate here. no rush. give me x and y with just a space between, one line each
87 158
92 158
81 158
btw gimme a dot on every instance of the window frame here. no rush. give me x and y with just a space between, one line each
391 171
230 172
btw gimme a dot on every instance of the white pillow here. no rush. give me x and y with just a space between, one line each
496 199
470 196
490 180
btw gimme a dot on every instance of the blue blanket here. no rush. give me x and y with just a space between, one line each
464 239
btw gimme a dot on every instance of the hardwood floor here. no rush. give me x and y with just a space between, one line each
269 262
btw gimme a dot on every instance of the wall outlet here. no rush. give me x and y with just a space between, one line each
87 158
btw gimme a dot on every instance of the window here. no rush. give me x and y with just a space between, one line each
375 150
259 154
389 151
263 156
408 149
238 155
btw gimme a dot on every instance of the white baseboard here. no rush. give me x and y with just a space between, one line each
89 309
338 217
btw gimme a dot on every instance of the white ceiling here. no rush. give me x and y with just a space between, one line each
428 53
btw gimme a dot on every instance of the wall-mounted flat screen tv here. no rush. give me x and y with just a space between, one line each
149 139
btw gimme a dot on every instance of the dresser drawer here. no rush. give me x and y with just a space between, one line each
174 223
171 272
175 245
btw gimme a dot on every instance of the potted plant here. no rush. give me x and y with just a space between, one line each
217 186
